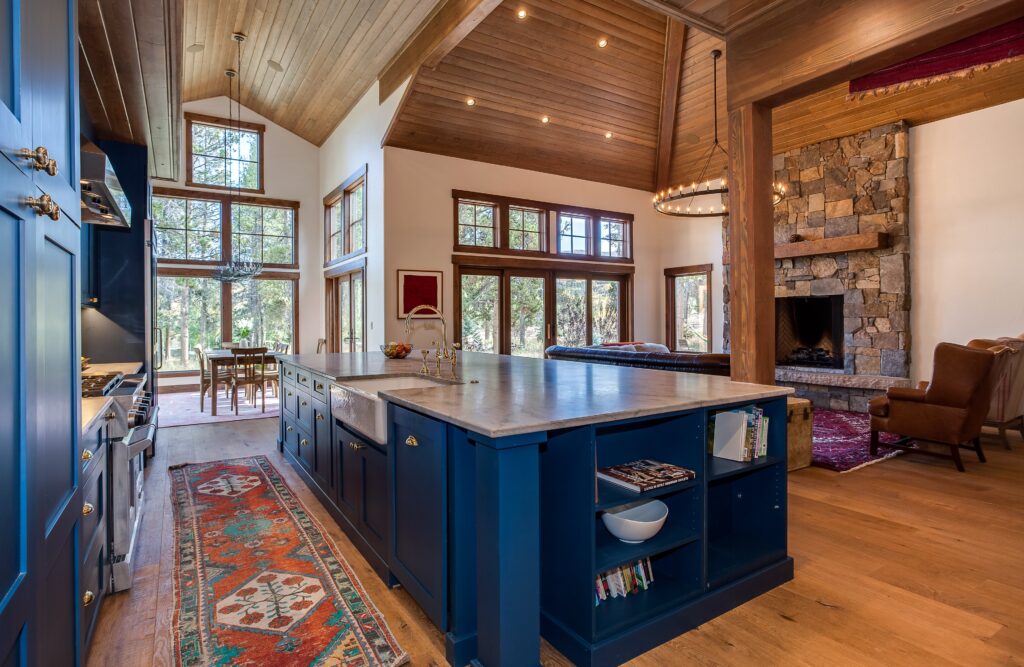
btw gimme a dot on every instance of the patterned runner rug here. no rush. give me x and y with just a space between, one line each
257 582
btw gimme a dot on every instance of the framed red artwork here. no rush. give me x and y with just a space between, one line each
416 288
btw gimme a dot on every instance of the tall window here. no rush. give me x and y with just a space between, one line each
224 154
689 308
477 224
573 234
345 219
346 299
263 312
522 311
187 229
264 234
189 315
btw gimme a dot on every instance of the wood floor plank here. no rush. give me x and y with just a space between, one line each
906 562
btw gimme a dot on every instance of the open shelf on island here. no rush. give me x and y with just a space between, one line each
611 551
723 468
611 495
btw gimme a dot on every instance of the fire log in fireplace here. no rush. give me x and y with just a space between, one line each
809 331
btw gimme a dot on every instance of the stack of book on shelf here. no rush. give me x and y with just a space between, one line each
739 435
644 475
624 580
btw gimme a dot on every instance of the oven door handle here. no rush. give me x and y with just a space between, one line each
139 439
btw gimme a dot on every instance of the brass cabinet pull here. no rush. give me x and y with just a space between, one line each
319 386
86 455
87 509
304 404
412 441
88 598
40 158
356 445
319 417
110 415
303 442
44 205
289 429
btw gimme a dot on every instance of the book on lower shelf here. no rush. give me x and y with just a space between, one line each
622 581
739 435
645 475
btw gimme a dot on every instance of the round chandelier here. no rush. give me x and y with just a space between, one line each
678 201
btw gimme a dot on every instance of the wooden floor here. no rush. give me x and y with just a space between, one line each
902 563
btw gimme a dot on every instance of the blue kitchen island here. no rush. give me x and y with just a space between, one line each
479 495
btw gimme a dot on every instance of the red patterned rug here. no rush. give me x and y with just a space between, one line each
841 441
256 581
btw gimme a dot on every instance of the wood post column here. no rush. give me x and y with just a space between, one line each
752 245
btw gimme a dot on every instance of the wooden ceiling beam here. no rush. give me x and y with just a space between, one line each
802 47
675 47
692 19
437 36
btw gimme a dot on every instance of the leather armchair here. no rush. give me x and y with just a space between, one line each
948 411
1007 407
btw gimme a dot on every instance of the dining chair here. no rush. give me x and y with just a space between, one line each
250 364
206 377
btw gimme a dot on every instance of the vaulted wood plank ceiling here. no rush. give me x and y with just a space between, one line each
328 53
549 64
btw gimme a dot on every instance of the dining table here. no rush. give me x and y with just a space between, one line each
225 358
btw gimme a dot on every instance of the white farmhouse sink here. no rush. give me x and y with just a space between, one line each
357 404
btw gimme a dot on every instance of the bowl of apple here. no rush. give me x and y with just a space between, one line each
395 350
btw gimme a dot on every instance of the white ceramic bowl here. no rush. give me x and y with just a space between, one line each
636 523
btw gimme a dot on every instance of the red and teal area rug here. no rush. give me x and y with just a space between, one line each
256 580
842 440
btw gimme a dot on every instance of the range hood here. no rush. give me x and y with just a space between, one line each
103 199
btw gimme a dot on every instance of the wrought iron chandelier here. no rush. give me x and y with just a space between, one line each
678 201
236 271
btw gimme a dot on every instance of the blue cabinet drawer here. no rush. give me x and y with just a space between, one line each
418 459
289 397
303 411
94 494
288 374
320 388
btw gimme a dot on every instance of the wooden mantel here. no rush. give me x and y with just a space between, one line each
832 246
836 244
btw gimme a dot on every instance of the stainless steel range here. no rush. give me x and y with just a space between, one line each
132 432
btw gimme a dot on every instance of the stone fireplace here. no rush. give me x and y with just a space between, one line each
809 331
858 301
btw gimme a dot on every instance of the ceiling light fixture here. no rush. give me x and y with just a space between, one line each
607 135
521 14
603 42
470 102
545 120
274 65
195 48
675 194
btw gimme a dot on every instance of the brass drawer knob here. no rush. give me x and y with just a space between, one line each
319 417
88 598
86 455
412 441
110 415
289 429
88 509
319 386
303 442
356 445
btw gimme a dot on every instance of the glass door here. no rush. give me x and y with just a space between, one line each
480 308
528 314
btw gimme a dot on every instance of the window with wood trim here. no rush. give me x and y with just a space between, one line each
187 229
499 225
223 153
521 311
346 307
478 224
264 234
688 308
345 219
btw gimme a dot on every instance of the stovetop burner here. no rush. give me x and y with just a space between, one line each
99 385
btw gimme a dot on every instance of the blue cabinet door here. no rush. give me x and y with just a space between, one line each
375 513
419 481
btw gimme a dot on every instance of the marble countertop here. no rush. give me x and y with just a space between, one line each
502 395
93 408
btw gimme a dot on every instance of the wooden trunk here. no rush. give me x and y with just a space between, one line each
799 418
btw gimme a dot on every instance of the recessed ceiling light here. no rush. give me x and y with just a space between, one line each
274 65
603 42
470 102
521 14
545 120
607 135
195 48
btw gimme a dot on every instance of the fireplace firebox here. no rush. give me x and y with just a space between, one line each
809 331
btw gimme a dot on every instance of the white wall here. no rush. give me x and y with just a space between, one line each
967 230
291 171
420 229
354 143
